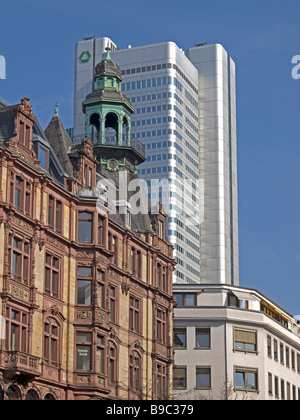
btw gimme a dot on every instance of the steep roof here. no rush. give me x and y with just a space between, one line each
60 143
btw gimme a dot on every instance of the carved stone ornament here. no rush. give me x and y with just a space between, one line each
26 108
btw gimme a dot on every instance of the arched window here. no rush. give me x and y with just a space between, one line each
13 393
135 372
125 128
49 397
111 128
51 342
94 127
32 395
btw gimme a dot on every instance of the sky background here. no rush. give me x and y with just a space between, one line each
37 38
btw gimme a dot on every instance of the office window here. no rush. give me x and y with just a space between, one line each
281 353
293 360
185 299
83 351
245 340
288 391
202 338
294 393
179 377
282 390
269 346
85 227
179 338
246 380
275 349
270 383
276 387
203 377
287 356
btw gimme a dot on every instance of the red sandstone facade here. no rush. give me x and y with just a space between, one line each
86 304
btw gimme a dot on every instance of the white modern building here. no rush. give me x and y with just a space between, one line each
234 343
185 116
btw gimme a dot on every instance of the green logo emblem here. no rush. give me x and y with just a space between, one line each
85 57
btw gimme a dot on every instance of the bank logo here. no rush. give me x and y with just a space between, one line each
2 67
296 69
85 57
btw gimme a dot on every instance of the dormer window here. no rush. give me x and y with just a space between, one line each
43 157
21 194
87 179
24 134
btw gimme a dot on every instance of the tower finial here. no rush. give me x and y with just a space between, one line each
108 49
56 111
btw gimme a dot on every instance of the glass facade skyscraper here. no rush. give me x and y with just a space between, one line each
168 90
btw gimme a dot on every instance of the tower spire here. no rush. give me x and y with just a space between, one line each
108 57
56 111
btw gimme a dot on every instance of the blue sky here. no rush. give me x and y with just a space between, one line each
37 39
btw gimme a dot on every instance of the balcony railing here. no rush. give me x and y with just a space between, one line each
22 362
111 139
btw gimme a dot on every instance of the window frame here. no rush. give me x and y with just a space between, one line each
204 368
19 259
245 332
135 321
50 267
52 358
245 372
204 329
21 323
88 279
184 377
88 222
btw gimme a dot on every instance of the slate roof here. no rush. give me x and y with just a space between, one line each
107 95
60 143
108 67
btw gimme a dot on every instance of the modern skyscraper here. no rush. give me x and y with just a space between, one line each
172 95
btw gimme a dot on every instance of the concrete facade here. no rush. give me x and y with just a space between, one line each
244 346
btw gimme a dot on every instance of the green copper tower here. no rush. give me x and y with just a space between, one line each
108 118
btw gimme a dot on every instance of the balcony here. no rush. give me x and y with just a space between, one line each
19 363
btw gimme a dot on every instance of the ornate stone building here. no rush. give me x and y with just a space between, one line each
85 291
